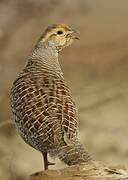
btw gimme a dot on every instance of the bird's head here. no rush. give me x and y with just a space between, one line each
58 36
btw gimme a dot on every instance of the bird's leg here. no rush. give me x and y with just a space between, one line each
46 162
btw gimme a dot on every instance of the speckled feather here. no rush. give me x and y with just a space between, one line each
43 109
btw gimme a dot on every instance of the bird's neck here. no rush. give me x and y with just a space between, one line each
45 58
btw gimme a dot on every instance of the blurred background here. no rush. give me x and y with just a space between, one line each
95 68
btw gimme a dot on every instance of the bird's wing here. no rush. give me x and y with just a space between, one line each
44 107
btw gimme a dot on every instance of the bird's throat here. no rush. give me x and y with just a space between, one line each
46 58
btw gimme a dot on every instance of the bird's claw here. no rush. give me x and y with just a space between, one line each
51 163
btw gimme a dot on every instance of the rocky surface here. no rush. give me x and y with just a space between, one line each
87 171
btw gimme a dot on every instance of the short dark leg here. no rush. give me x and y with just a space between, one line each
46 162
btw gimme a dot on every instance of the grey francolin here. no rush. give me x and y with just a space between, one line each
44 113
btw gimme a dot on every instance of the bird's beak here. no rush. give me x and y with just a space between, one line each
73 34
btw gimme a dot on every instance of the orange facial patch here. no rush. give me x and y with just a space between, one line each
53 28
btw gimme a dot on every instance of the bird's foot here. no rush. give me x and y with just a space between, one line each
51 163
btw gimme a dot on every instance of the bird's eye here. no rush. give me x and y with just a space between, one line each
59 32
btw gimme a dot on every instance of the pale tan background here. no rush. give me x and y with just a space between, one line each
96 69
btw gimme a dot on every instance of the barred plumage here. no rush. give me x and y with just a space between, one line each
44 112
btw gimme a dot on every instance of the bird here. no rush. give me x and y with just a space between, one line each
44 112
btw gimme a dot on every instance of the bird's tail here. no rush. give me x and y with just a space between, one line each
74 153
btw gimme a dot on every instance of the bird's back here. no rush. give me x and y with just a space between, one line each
43 108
